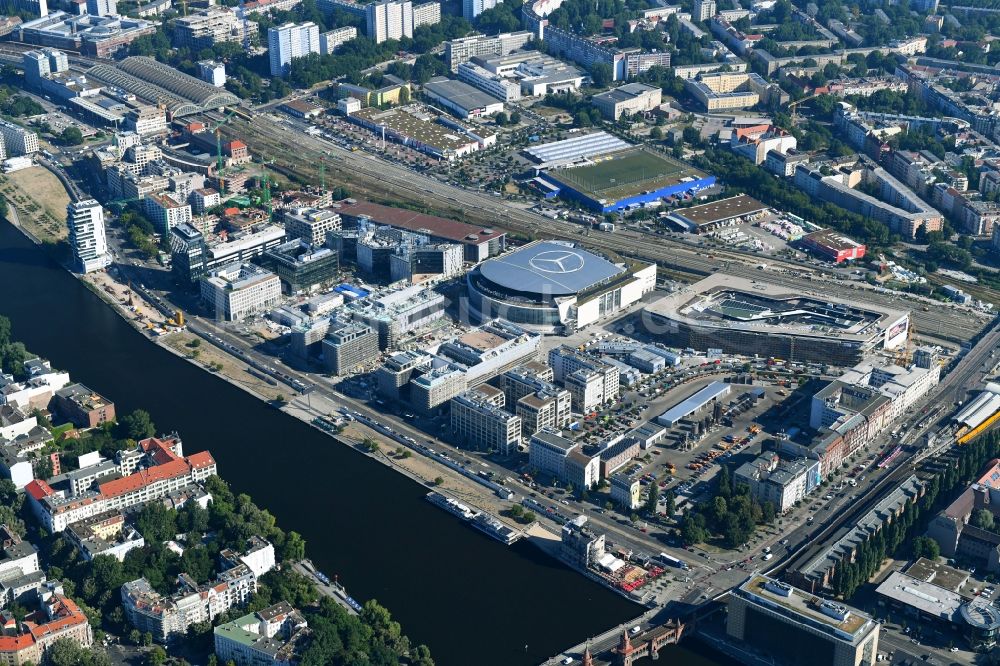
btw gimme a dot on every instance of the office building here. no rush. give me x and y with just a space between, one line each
87 239
389 19
548 452
349 345
490 83
600 378
465 49
310 224
536 73
17 140
397 312
329 41
473 8
274 636
798 628
479 423
147 120
628 99
288 42
193 255
626 489
300 265
82 406
415 262
240 290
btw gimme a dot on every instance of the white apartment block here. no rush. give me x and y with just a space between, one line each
389 19
166 211
311 224
87 238
703 10
329 41
473 8
147 120
238 291
204 199
290 41
427 13
17 140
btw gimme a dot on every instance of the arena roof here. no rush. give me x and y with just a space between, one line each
549 268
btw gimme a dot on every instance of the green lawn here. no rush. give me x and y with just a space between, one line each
625 175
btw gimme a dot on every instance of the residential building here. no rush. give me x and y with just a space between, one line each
628 99
83 407
104 534
204 199
310 224
33 393
725 91
703 10
276 635
207 27
258 556
17 557
18 140
329 41
956 536
146 120
473 8
479 423
757 142
102 7
240 290
465 49
52 617
290 41
87 238
168 618
166 210
580 547
427 13
213 72
349 345
780 620
389 19
154 470
782 483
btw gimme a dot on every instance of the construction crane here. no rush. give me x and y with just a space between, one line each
322 174
266 188
220 163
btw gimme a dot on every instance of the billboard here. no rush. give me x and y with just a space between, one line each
895 334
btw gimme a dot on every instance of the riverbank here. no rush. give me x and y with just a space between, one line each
450 586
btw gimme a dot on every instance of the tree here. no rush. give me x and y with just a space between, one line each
926 547
656 134
515 118
438 481
601 74
652 497
72 136
156 656
138 425
294 548
670 502
983 519
421 656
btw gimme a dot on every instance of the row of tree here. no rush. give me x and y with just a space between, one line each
951 476
732 515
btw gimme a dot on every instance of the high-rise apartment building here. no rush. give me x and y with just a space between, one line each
290 41
703 10
18 140
86 235
102 7
389 19
473 8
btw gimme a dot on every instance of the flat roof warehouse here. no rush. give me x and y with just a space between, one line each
718 213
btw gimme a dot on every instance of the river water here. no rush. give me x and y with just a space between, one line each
472 600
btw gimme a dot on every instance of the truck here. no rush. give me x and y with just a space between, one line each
671 561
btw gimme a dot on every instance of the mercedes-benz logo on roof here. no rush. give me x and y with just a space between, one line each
557 261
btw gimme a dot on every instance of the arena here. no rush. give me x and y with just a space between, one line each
741 316
552 287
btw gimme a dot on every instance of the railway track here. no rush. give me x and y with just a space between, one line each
377 178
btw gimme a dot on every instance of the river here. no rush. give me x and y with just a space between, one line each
472 600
